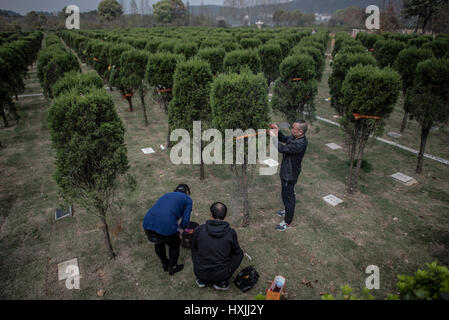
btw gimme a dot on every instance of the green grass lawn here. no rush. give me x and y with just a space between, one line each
328 246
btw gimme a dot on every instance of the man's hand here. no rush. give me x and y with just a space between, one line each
274 132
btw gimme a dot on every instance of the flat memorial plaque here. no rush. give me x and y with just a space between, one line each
394 134
270 162
408 181
148 150
332 200
333 146
401 177
62 269
62 213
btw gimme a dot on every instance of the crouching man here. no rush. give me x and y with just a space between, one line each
216 253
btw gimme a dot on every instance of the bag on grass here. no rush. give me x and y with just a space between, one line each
187 235
246 279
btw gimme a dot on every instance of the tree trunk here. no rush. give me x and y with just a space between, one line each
351 164
5 119
130 102
142 100
106 236
245 194
404 122
13 110
202 163
359 166
424 134
169 144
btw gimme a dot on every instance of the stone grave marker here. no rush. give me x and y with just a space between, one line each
61 213
333 146
404 179
148 150
394 134
270 162
332 200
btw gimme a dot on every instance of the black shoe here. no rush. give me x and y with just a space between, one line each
200 283
222 286
177 268
165 267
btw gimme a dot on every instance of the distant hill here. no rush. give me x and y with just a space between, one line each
9 13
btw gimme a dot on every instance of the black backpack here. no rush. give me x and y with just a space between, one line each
187 237
246 279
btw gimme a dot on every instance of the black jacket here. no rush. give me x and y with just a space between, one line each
293 151
213 245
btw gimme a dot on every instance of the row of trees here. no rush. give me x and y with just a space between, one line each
387 64
209 83
17 52
86 132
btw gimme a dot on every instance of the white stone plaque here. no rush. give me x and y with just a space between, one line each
401 177
148 150
333 146
332 200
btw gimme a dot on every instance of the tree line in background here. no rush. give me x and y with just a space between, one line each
417 15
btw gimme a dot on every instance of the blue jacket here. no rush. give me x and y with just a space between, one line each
163 216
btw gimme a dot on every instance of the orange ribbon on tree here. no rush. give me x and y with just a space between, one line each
358 116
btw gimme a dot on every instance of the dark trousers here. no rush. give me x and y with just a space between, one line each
234 263
288 197
173 242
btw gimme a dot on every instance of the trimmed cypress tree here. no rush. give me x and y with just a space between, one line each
234 61
405 64
56 68
115 52
250 43
368 91
191 88
270 58
340 67
368 39
133 65
188 49
427 100
318 58
215 57
88 137
439 47
294 91
159 74
240 101
386 51
80 82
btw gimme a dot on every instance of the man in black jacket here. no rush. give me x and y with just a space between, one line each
293 151
216 253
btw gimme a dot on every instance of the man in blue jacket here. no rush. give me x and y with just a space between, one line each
293 149
161 225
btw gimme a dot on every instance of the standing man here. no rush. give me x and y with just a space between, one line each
161 225
293 151
216 252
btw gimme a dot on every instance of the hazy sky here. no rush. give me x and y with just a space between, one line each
24 6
